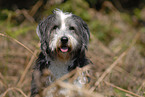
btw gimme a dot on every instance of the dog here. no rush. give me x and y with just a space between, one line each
64 39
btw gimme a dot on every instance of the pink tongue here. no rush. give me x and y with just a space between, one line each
64 49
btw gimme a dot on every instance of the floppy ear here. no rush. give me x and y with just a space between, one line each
38 32
86 32
42 39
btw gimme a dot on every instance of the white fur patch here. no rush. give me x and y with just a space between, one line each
63 31
72 40
63 17
38 32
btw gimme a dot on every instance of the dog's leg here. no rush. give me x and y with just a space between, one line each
39 76
35 84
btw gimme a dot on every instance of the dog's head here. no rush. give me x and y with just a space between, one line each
63 35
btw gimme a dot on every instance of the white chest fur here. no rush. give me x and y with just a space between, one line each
58 69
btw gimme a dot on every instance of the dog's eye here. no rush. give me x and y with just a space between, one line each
55 27
71 28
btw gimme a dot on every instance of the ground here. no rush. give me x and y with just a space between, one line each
117 49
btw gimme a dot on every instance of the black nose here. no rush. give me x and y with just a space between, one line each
64 39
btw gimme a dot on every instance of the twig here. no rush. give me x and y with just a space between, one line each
115 63
14 88
3 84
17 42
129 92
64 77
75 88
36 7
1 76
142 85
2 80
27 16
108 70
27 68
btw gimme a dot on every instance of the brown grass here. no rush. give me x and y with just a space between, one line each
118 68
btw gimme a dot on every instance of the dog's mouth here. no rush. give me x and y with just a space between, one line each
64 49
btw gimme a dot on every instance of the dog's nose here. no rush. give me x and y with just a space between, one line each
64 39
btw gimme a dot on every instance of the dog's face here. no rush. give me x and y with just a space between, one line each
63 35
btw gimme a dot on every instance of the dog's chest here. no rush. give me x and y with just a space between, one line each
58 69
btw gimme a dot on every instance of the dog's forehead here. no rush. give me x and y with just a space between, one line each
62 16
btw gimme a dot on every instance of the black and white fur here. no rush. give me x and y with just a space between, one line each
64 38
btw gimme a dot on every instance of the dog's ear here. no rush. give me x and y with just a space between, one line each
86 32
38 32
83 27
44 27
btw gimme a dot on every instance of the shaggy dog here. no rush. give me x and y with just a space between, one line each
64 38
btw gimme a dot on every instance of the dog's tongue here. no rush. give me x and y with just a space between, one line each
64 49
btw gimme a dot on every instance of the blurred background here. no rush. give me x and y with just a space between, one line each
116 26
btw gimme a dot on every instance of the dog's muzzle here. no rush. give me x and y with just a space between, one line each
64 47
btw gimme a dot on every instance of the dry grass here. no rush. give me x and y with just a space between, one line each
118 70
